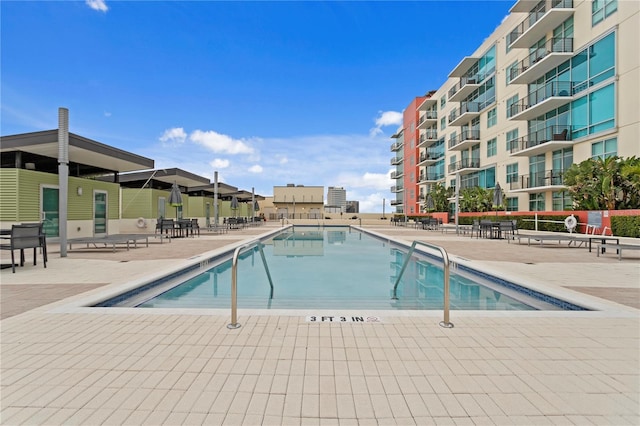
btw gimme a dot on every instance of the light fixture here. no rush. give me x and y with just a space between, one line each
30 166
79 190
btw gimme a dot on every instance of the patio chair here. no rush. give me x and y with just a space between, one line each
475 228
195 227
506 230
25 237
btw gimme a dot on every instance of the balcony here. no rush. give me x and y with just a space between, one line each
463 66
427 104
464 140
464 87
427 138
548 97
539 23
550 180
537 64
466 112
464 166
396 160
430 156
397 174
396 188
396 202
396 146
548 139
429 177
428 118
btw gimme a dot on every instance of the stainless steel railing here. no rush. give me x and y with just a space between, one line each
445 261
234 279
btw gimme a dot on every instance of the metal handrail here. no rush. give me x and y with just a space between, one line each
445 261
234 279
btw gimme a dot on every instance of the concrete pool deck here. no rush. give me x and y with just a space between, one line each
65 364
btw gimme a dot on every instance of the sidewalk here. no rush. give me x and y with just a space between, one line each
67 365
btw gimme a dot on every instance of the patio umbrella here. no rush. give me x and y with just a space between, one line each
497 197
234 205
429 204
175 197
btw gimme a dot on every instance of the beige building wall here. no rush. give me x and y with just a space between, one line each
625 21
298 201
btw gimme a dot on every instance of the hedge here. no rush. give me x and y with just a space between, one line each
625 226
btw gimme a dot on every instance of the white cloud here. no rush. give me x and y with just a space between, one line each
376 181
219 163
386 118
172 136
284 160
256 168
107 114
220 143
99 5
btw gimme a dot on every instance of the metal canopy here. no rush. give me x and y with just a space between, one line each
86 156
162 179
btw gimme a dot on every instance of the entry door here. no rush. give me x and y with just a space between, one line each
50 210
99 213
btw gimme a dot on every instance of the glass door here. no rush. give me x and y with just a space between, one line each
50 210
99 213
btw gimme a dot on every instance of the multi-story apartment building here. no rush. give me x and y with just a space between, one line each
556 83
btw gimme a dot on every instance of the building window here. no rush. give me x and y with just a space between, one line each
443 102
512 106
594 64
601 9
492 147
512 172
604 149
443 123
594 112
512 204
561 201
512 72
512 140
536 202
492 117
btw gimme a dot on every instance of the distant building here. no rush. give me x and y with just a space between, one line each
298 202
353 207
337 198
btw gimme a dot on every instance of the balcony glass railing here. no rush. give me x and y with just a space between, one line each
550 133
534 17
465 163
549 90
396 146
429 135
429 115
555 45
430 176
465 135
465 107
538 180
431 155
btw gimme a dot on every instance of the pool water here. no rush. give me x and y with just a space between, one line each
338 268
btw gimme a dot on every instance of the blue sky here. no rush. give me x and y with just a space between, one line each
266 93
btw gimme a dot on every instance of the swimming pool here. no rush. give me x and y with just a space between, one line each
335 268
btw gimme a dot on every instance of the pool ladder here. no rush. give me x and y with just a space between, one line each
445 261
234 279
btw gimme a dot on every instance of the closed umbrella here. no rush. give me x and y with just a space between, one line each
497 197
429 204
234 205
175 197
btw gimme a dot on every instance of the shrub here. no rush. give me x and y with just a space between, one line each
625 226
